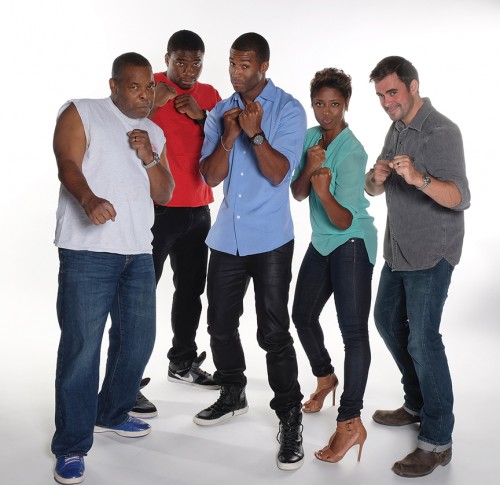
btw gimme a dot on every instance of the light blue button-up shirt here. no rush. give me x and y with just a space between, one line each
254 216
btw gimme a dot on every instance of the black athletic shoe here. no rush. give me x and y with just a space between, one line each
291 454
232 402
191 374
143 407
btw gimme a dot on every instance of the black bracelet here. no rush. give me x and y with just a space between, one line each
200 122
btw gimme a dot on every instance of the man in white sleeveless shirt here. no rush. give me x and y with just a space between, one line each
112 165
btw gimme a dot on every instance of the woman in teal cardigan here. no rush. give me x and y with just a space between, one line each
339 259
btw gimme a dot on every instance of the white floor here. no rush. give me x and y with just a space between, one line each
243 450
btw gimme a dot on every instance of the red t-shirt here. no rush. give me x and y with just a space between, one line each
184 142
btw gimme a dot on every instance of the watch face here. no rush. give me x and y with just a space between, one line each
258 139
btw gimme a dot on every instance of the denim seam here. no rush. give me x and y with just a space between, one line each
425 315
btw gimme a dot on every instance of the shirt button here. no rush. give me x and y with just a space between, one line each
241 174
239 195
237 217
244 152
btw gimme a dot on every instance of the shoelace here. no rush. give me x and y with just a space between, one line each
289 433
221 405
72 458
200 372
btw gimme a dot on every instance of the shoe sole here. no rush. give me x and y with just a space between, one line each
67 481
415 475
125 434
143 415
289 466
213 422
199 386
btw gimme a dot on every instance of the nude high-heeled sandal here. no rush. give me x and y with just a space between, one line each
325 385
348 433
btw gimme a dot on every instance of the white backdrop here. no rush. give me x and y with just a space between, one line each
56 50
53 51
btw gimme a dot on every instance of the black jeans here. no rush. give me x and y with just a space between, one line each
228 279
347 273
180 232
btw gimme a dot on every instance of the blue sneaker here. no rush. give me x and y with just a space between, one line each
130 428
69 469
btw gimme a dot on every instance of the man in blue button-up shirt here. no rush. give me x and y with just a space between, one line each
253 142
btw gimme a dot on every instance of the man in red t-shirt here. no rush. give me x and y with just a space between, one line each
181 226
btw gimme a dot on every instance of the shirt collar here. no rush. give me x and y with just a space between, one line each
268 94
418 120
165 79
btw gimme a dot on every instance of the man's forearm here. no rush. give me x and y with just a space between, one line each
370 187
215 168
273 164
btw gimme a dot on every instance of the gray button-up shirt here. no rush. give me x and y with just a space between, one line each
420 232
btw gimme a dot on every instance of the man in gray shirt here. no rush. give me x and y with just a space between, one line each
422 172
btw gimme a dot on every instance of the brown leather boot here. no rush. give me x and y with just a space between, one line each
398 417
325 385
348 433
420 463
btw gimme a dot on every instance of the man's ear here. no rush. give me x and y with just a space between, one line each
414 86
264 67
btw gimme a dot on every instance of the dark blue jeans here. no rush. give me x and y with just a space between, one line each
407 314
180 233
92 286
228 279
347 273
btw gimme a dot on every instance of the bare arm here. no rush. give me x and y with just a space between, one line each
160 178
162 182
444 193
69 148
339 216
301 186
376 177
186 104
272 164
215 167
163 94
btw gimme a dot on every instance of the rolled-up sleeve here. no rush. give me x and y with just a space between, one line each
444 158
288 139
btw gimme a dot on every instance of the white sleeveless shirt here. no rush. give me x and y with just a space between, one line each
114 172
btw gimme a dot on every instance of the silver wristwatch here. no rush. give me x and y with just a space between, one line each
258 139
427 181
156 159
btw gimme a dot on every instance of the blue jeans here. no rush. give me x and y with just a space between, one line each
228 279
407 314
92 286
179 233
347 273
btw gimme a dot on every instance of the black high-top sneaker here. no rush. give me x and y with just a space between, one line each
190 373
143 407
291 454
232 402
